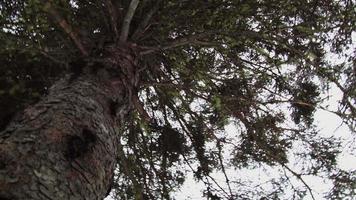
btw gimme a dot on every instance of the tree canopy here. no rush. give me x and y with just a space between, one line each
262 65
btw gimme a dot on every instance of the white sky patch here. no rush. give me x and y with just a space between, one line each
329 125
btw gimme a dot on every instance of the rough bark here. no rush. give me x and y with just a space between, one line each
65 146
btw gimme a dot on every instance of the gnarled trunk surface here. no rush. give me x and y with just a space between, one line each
65 146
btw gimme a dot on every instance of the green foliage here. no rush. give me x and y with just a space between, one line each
203 64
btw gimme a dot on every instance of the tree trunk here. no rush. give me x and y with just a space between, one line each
65 146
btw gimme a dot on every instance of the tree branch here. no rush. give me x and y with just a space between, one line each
113 17
192 39
141 110
301 179
126 169
126 24
220 156
66 27
144 23
298 176
345 92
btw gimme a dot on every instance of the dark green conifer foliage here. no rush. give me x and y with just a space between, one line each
259 64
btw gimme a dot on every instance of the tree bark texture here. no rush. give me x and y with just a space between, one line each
65 146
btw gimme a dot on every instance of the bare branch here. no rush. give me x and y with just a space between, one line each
144 23
113 17
66 27
127 21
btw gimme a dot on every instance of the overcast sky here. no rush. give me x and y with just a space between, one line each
329 125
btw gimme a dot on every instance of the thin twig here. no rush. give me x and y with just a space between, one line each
274 157
127 21
222 166
344 91
206 176
301 179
